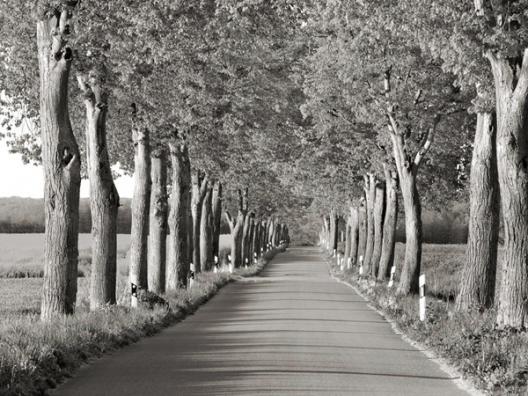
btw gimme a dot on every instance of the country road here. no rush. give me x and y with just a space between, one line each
290 331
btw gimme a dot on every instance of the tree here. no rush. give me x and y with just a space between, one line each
199 191
104 198
157 244
180 220
389 224
61 160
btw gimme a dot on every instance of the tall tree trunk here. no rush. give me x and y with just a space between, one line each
389 224
140 210
477 285
334 219
157 246
379 207
353 235
346 254
407 170
511 85
61 161
413 234
271 230
237 229
205 233
178 263
104 199
199 189
263 235
370 193
362 234
255 241
245 239
217 217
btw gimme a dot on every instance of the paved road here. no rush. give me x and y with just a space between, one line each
291 331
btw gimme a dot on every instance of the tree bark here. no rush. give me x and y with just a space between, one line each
140 210
157 246
407 170
178 263
61 161
389 224
354 234
346 254
333 230
413 235
236 228
255 240
362 234
511 86
370 193
379 208
104 198
205 231
199 189
245 239
477 285
217 215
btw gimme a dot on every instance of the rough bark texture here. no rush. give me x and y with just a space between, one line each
413 235
389 224
140 209
333 230
199 189
346 254
237 228
407 170
245 239
157 246
354 234
370 193
477 285
256 240
379 212
205 232
511 85
104 198
61 161
362 234
217 217
178 263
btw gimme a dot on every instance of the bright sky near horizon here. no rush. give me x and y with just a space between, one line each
21 180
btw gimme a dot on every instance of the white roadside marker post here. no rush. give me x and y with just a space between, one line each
422 297
134 296
360 265
191 276
335 252
391 281
246 264
215 269
349 262
255 258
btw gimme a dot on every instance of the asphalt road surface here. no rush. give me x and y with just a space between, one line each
291 331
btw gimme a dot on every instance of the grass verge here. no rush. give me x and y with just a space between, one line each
494 360
36 356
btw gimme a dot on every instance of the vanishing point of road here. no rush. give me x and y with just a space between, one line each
290 331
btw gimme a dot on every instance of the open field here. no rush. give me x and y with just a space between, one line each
22 255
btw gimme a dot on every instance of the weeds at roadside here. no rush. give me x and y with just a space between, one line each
35 355
496 360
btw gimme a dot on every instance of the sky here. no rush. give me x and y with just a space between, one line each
18 179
